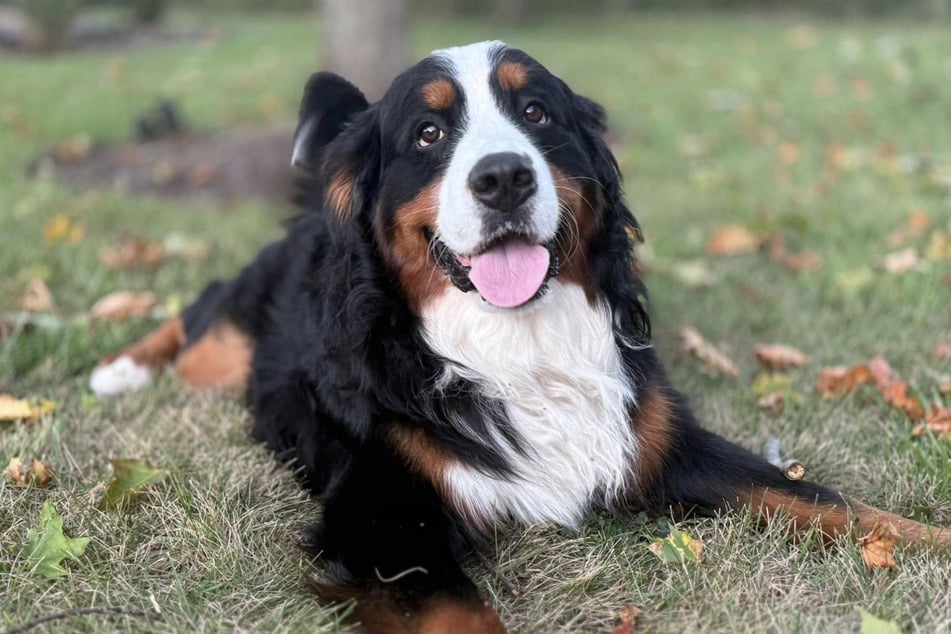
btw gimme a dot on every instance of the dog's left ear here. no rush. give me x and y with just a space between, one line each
329 102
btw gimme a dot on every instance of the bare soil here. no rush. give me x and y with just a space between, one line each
250 163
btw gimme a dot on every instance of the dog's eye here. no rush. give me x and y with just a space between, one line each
429 134
535 113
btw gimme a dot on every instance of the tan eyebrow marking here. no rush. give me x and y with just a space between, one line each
439 94
512 75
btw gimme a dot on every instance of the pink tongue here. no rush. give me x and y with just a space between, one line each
510 273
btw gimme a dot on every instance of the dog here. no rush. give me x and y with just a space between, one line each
452 337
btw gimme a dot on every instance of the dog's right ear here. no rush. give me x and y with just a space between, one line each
329 102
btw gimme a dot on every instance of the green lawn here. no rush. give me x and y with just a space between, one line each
716 120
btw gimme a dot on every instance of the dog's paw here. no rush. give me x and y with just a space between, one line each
120 375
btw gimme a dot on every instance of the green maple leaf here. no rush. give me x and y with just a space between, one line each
47 547
130 478
678 547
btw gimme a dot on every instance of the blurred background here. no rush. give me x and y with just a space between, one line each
144 144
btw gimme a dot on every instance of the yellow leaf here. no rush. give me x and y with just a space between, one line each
12 408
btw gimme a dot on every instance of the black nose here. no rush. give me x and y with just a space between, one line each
502 181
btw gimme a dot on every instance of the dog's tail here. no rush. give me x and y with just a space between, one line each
694 469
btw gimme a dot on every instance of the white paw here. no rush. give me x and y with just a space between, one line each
122 375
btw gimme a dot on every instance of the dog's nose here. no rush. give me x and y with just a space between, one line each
502 181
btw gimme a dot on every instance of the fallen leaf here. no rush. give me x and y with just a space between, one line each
873 625
33 474
122 305
788 152
938 422
904 261
130 478
772 402
47 546
939 248
916 225
132 253
768 382
37 298
627 619
694 273
852 281
877 547
12 409
778 356
713 360
732 240
75 149
945 388
839 380
190 249
897 396
802 36
802 261
60 228
882 372
202 175
678 547
941 350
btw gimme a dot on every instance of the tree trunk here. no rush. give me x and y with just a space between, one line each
365 41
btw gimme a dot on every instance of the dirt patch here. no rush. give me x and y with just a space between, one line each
247 163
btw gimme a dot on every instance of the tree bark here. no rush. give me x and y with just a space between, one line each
366 42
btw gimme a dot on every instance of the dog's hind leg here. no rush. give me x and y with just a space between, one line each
211 344
693 469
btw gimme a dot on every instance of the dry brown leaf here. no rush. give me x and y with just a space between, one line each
877 548
713 360
778 356
945 388
627 619
12 409
938 422
132 253
882 372
916 225
941 350
732 240
904 261
75 149
897 396
35 473
37 298
202 175
802 261
773 402
122 305
840 380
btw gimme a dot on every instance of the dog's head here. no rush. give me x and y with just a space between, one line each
478 171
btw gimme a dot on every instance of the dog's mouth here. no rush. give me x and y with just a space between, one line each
508 271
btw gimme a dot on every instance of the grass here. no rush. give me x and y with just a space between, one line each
702 110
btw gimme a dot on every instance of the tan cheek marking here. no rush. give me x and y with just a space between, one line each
340 195
653 428
575 198
512 75
157 348
408 250
439 94
221 358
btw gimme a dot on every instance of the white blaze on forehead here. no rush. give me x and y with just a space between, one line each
485 129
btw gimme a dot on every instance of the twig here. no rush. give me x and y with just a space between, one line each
399 575
66 614
791 468
512 589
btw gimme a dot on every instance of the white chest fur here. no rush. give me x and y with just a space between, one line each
556 367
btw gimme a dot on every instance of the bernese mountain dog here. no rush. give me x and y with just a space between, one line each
451 337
